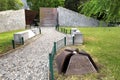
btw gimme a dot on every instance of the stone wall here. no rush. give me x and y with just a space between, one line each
71 18
12 20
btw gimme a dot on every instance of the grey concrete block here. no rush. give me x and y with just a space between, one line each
78 38
36 30
19 35
25 34
74 31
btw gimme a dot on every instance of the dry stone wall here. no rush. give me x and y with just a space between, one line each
71 18
12 20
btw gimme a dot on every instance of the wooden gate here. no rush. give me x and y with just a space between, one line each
48 17
30 16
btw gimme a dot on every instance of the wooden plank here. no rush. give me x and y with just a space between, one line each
48 16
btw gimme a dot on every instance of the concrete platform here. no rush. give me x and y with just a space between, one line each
25 34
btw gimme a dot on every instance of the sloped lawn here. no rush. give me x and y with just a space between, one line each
5 41
103 43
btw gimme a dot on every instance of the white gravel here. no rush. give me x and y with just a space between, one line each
30 62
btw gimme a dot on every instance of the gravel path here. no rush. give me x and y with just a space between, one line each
30 62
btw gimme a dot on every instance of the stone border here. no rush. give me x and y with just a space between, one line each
27 34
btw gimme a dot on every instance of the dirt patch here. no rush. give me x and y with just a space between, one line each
90 39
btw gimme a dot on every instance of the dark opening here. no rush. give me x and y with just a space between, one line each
66 62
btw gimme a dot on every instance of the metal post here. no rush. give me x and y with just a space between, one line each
39 30
13 44
64 41
73 40
61 29
54 48
64 30
58 28
70 31
22 41
51 67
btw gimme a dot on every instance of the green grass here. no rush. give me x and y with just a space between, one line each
5 41
103 43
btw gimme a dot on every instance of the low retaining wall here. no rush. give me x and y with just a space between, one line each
12 20
27 34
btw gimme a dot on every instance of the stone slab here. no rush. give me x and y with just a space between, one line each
79 64
36 30
78 38
18 36
25 34
74 31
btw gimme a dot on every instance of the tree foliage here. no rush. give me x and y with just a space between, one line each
107 10
36 4
10 4
74 4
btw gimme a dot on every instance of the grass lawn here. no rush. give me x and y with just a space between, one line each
103 43
5 40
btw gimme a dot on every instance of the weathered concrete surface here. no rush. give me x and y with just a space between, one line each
78 38
70 18
30 62
27 34
48 17
12 20
80 64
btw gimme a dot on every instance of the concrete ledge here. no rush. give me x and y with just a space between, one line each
36 30
19 35
25 34
78 38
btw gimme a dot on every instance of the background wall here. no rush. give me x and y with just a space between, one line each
71 18
12 20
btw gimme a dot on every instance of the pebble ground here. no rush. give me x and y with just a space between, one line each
31 61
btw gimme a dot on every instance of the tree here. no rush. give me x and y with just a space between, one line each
73 4
36 4
10 4
107 10
3 5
